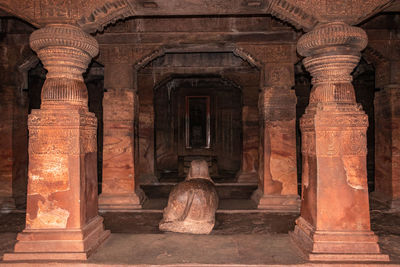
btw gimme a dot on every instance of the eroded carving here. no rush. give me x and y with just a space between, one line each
192 203
65 51
334 147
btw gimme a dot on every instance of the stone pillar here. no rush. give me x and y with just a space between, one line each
120 104
13 128
62 222
334 224
277 187
7 203
387 146
248 171
387 125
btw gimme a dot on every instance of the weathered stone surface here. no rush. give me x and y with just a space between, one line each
192 203
382 52
13 134
62 186
7 203
157 75
277 186
387 147
334 222
333 128
119 188
248 171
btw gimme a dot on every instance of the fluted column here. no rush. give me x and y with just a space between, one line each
335 221
120 191
277 186
61 217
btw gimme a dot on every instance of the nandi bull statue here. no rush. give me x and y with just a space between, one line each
192 203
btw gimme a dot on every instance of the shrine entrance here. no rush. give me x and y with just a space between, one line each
198 118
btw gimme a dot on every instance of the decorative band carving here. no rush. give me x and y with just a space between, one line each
335 143
64 90
65 51
331 78
330 35
63 35
61 118
333 121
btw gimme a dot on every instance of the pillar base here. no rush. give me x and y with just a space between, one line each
393 205
335 245
7 204
121 202
276 203
59 244
247 177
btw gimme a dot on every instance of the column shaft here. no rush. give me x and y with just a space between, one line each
334 222
7 202
62 222
277 187
387 146
120 104
248 172
13 130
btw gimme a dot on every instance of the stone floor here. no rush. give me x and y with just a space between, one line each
238 239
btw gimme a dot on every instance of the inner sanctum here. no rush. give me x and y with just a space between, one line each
293 106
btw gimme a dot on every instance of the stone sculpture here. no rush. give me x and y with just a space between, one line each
192 203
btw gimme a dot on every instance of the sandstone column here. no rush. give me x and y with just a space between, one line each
120 105
62 222
277 189
387 137
248 169
13 127
7 203
335 221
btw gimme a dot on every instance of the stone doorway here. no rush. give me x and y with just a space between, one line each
198 118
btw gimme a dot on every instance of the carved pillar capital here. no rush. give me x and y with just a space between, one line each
332 51
65 51
334 38
62 220
334 149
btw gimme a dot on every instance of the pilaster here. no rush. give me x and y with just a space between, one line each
277 173
7 202
387 147
62 222
334 224
13 134
120 190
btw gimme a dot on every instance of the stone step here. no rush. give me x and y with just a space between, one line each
225 205
224 190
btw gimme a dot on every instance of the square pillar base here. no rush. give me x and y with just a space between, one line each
121 202
276 203
316 245
59 244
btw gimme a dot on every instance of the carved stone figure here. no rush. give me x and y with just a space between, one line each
192 203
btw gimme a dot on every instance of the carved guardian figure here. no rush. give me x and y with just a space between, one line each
192 203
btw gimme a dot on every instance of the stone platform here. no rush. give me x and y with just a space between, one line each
225 190
251 239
